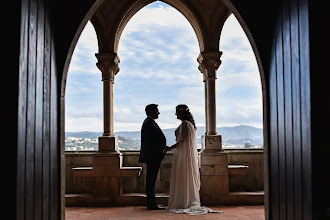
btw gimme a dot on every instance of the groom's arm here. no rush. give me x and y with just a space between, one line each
148 136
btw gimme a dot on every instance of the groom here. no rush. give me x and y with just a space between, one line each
153 143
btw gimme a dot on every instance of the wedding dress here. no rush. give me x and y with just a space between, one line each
185 178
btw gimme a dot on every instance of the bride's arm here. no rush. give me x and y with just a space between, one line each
169 148
173 146
183 133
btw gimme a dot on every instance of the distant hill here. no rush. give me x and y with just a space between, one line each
83 134
231 136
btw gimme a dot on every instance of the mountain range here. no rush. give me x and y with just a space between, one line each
231 136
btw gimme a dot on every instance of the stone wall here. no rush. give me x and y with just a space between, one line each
250 179
77 184
253 177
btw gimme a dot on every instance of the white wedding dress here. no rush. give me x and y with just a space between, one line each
185 178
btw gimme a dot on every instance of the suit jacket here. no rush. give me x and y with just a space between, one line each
153 142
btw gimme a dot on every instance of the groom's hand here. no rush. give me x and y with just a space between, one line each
167 148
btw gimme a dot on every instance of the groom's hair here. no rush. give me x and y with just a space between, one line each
150 108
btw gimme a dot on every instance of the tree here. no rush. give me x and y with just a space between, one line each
247 145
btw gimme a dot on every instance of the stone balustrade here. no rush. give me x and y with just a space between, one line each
245 172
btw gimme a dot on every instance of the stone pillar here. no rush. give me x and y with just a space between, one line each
108 64
209 62
206 109
214 162
107 170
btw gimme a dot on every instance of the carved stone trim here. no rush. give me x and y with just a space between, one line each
108 64
209 62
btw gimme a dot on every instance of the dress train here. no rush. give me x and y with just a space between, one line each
185 178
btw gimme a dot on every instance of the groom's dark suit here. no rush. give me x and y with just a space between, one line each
153 142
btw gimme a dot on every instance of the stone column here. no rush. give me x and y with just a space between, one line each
108 64
206 108
209 62
214 162
107 170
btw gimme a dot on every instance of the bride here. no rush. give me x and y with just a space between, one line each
185 179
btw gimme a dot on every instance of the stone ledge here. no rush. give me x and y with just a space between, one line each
90 172
237 170
256 193
82 171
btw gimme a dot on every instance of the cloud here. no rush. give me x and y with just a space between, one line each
161 16
236 48
158 51
237 112
232 31
239 96
83 124
227 82
85 50
159 35
88 39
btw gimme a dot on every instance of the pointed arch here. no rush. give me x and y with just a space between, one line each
110 21
260 58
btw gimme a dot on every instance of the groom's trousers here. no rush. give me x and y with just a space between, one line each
152 172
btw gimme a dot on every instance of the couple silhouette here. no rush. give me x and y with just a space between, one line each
185 178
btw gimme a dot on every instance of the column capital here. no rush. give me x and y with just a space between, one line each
209 62
108 63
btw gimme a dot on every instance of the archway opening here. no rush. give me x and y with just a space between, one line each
239 92
240 109
158 50
83 95
121 73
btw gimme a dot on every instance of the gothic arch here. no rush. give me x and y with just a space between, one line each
109 32
206 19
181 7
244 26
255 49
73 43
265 94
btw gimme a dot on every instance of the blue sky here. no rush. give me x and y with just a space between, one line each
158 50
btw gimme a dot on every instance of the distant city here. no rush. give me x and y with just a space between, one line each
237 137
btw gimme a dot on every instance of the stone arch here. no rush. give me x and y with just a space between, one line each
265 96
209 24
180 6
244 26
94 7
255 49
109 32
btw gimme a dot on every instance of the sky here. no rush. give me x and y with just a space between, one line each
158 52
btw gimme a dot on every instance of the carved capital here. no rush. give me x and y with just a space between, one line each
209 62
108 64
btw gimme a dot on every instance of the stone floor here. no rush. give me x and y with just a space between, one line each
140 212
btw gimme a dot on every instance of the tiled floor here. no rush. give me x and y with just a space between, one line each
140 212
